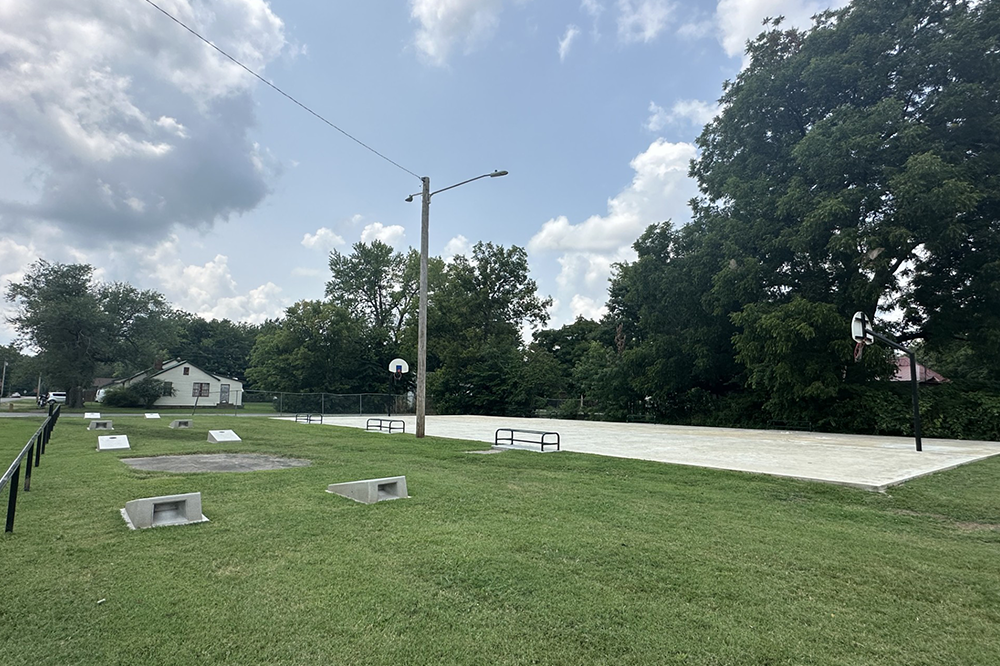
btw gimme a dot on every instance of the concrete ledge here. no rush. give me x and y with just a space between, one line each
181 423
370 491
164 510
217 436
100 425
112 442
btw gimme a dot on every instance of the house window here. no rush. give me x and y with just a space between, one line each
168 389
187 371
199 390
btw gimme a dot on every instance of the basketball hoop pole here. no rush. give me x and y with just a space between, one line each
913 381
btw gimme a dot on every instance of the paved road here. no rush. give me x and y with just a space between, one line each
869 462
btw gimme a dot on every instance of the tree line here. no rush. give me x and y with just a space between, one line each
852 166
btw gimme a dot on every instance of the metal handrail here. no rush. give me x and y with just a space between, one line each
34 448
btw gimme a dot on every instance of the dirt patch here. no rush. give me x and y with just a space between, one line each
214 462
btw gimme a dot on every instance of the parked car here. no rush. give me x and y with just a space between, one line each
56 396
15 395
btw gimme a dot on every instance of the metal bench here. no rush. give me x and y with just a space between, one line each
386 425
514 435
308 418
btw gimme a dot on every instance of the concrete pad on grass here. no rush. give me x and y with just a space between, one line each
863 461
215 462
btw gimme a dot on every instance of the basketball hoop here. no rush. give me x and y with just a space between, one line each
398 374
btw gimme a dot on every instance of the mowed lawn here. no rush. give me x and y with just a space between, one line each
511 558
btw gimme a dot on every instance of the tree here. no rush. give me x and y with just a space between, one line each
377 284
318 347
475 318
853 164
566 346
219 346
141 326
75 324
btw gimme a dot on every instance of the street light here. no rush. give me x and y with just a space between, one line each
425 212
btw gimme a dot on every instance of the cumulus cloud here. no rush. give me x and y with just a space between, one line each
660 189
740 20
390 235
642 20
445 23
208 290
566 42
589 308
324 239
459 245
136 125
691 111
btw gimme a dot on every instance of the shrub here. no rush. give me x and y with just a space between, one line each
141 394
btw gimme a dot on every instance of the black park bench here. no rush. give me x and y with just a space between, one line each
541 437
386 425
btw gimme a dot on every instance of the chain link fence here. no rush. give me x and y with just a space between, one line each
353 404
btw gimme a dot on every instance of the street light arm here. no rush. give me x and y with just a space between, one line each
485 175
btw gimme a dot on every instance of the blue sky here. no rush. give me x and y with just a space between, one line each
128 144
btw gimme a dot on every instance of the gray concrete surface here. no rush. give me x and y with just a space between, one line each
214 462
869 462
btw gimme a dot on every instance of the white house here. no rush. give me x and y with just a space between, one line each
190 386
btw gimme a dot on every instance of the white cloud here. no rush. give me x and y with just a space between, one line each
642 20
136 126
589 308
567 41
459 245
691 111
324 239
740 20
14 262
443 23
390 235
659 190
696 29
207 290
593 8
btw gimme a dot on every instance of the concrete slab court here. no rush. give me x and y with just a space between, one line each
214 462
863 461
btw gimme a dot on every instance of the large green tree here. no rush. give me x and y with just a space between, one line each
77 324
318 347
476 355
218 346
378 284
854 165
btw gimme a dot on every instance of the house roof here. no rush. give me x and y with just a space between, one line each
170 365
924 374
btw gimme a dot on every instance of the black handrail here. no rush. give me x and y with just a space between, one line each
34 448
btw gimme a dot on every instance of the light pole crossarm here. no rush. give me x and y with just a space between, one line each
485 175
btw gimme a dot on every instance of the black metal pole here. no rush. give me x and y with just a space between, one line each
916 400
12 502
913 381
27 469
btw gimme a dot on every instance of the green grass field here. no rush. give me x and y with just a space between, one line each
513 558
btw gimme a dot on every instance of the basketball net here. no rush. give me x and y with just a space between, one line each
399 374
858 349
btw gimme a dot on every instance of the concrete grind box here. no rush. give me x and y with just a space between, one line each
163 511
370 491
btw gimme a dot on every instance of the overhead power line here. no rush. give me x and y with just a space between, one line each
277 89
